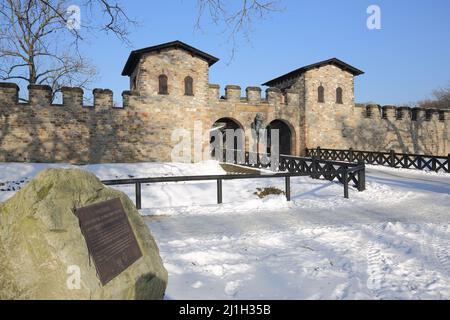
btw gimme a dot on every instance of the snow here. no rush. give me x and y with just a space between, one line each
390 242
14 175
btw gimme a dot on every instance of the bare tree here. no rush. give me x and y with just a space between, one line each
237 17
440 100
39 41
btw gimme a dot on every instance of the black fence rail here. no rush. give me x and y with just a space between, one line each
391 159
219 179
343 172
286 167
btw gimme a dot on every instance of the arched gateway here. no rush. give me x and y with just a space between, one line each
226 128
289 100
285 137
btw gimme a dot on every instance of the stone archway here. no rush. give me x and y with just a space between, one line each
286 135
222 125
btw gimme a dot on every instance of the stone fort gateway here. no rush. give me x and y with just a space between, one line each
169 89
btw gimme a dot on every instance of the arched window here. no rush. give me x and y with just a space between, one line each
163 89
321 94
188 86
339 95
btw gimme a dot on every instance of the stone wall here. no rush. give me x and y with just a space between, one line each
275 106
323 120
142 129
342 126
367 129
71 132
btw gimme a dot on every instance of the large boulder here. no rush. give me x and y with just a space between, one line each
40 239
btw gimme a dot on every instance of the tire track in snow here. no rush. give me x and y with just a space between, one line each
384 279
440 248
376 269
377 265
443 256
375 277
434 245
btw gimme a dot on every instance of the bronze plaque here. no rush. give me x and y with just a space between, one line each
109 238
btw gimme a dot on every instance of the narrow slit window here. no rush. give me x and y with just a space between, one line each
339 96
163 87
188 86
321 94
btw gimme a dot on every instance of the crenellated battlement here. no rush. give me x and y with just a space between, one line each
71 130
273 96
39 95
402 113
127 96
72 97
103 99
9 93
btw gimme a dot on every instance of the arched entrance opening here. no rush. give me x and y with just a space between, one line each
235 132
285 136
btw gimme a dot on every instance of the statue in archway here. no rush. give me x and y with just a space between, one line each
257 125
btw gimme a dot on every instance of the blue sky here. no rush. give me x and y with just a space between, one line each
403 62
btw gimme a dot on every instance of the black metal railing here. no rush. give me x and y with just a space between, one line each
391 158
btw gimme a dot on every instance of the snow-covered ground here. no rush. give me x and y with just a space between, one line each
390 242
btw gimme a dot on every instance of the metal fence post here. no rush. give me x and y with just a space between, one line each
288 188
219 191
405 161
138 195
318 153
362 177
345 180
350 155
314 168
392 158
448 163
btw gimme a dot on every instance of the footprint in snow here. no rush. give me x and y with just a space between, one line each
232 287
